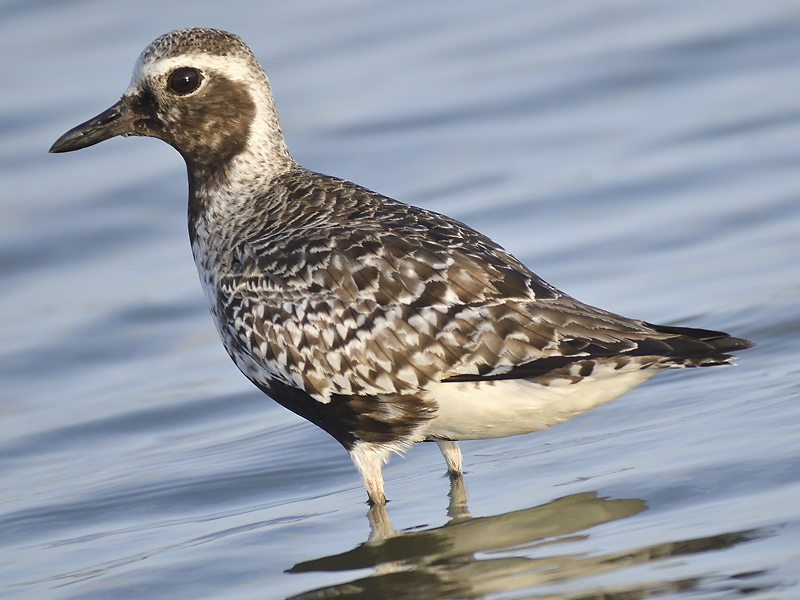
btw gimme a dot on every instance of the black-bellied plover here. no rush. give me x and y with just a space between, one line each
382 323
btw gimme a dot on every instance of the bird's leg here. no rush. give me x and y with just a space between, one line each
368 459
452 456
458 491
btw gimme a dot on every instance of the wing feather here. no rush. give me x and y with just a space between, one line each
368 296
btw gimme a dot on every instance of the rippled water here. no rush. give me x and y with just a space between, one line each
641 156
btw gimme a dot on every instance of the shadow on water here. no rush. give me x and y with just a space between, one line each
471 557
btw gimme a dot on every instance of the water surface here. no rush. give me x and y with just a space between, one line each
642 157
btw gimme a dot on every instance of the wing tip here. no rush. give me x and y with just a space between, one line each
701 347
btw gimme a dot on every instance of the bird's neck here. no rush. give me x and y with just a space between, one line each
221 193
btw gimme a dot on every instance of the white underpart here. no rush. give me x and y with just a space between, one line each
490 409
480 410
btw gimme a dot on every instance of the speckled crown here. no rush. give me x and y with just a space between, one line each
193 40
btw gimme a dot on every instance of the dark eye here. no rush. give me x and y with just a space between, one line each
184 81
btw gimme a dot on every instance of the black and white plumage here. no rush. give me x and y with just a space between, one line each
382 323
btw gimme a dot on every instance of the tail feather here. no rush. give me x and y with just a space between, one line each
693 347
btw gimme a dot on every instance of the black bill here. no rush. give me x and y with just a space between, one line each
117 120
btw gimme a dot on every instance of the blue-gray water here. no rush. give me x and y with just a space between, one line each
642 156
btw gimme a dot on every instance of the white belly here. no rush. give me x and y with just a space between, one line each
478 410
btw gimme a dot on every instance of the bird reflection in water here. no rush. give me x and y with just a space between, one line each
470 557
